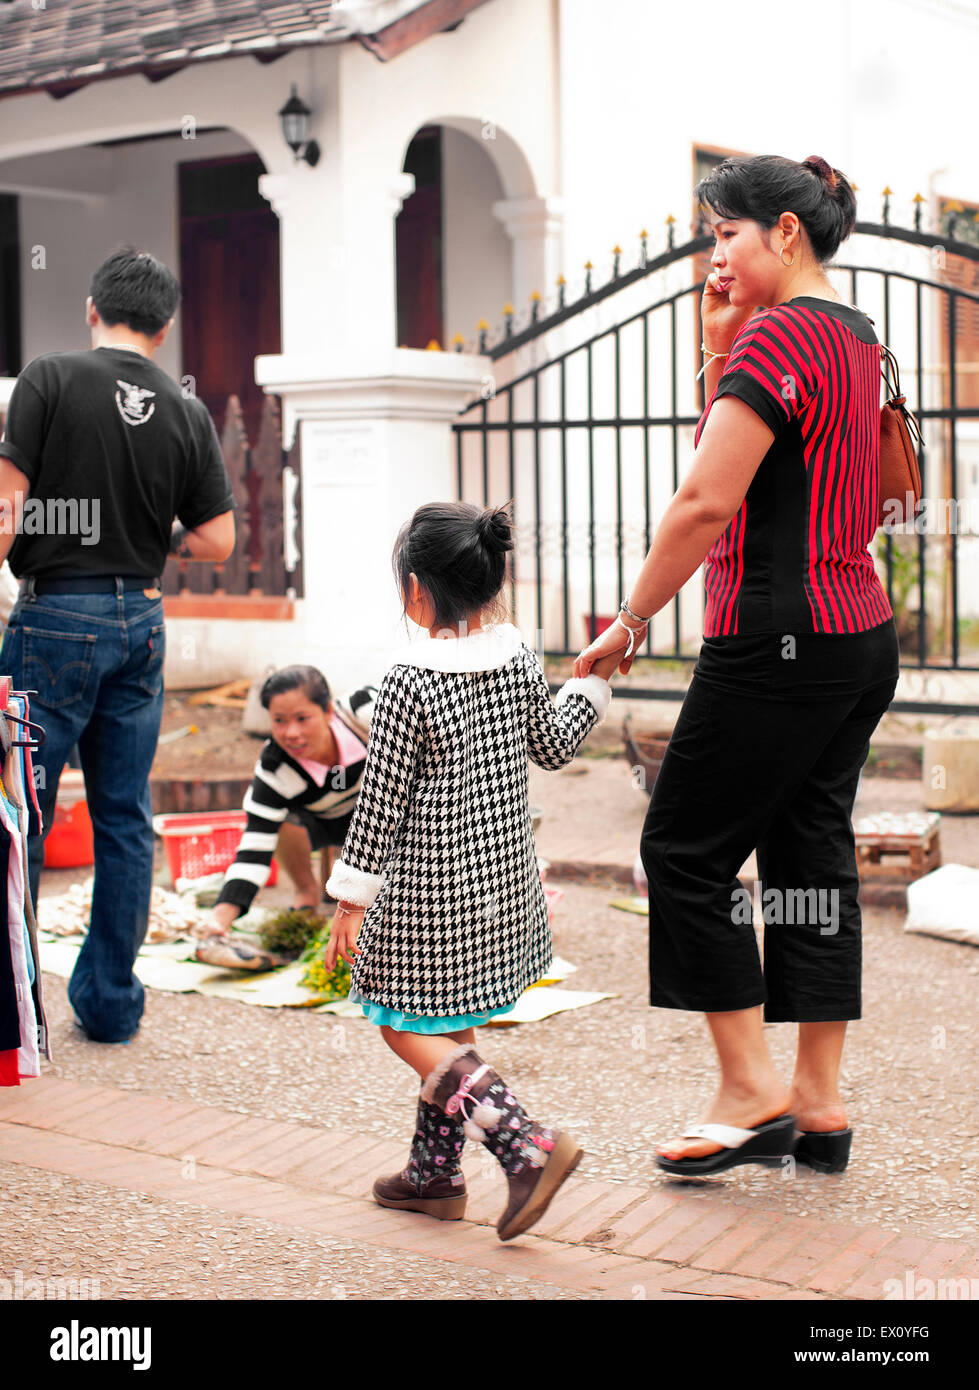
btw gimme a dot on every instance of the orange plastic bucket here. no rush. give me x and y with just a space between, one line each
69 844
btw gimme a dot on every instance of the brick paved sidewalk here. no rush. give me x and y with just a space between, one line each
609 1240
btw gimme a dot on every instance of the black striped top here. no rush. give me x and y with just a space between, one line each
281 785
795 557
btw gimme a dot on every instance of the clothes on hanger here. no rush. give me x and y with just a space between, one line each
22 779
23 1027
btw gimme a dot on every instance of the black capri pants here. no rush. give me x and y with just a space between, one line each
775 772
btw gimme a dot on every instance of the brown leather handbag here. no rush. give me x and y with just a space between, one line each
900 477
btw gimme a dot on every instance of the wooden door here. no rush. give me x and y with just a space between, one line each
10 363
418 239
229 273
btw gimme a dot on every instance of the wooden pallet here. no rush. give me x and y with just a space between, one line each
913 836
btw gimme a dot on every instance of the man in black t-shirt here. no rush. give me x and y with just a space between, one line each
102 452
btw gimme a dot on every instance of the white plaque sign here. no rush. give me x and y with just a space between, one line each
339 455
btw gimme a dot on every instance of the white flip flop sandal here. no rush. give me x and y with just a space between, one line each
767 1144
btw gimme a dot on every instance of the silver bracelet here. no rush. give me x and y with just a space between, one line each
624 608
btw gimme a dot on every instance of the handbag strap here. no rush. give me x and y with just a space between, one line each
890 371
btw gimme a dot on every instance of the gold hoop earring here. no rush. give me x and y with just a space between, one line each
781 256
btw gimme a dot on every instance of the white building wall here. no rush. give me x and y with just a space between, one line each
880 88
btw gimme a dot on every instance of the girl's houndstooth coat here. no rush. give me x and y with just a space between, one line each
441 848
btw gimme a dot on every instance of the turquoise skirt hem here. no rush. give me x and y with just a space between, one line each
422 1023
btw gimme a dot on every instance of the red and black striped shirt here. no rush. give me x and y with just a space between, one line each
795 557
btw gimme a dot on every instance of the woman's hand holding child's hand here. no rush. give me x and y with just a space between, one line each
607 653
347 922
606 666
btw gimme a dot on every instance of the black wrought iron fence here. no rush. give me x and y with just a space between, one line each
589 417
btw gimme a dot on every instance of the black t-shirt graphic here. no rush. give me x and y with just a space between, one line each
112 450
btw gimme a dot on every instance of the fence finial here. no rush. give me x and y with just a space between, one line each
670 221
918 199
508 320
617 254
953 207
561 282
534 306
588 271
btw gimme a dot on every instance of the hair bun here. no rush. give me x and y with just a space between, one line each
819 166
495 530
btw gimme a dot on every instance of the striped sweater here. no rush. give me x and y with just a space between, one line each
795 557
280 786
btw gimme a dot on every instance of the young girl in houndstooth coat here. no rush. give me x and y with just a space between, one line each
442 914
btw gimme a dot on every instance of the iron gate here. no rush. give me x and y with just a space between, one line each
593 426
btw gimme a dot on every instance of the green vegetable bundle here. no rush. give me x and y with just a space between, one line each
290 932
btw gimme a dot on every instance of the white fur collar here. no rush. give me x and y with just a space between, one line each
485 650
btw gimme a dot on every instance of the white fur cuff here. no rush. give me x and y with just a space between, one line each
431 1083
351 885
596 691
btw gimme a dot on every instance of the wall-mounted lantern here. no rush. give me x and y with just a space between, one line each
296 118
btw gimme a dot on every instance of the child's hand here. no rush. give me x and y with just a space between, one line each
343 936
608 652
606 666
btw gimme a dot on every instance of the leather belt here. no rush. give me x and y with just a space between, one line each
87 584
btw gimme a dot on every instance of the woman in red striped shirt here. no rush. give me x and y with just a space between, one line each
798 664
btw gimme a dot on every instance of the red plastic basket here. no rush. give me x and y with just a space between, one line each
202 842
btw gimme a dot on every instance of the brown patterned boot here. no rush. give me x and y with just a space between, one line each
536 1160
432 1182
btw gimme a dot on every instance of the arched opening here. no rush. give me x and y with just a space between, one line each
454 258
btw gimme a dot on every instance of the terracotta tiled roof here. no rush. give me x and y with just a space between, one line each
70 42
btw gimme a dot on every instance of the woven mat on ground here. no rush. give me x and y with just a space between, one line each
169 966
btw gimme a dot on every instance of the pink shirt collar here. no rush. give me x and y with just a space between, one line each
349 750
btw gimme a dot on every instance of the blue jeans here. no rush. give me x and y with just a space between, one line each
96 662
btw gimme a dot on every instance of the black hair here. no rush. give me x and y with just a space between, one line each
305 678
134 288
458 553
762 187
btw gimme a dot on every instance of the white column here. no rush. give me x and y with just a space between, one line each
534 225
337 257
376 440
